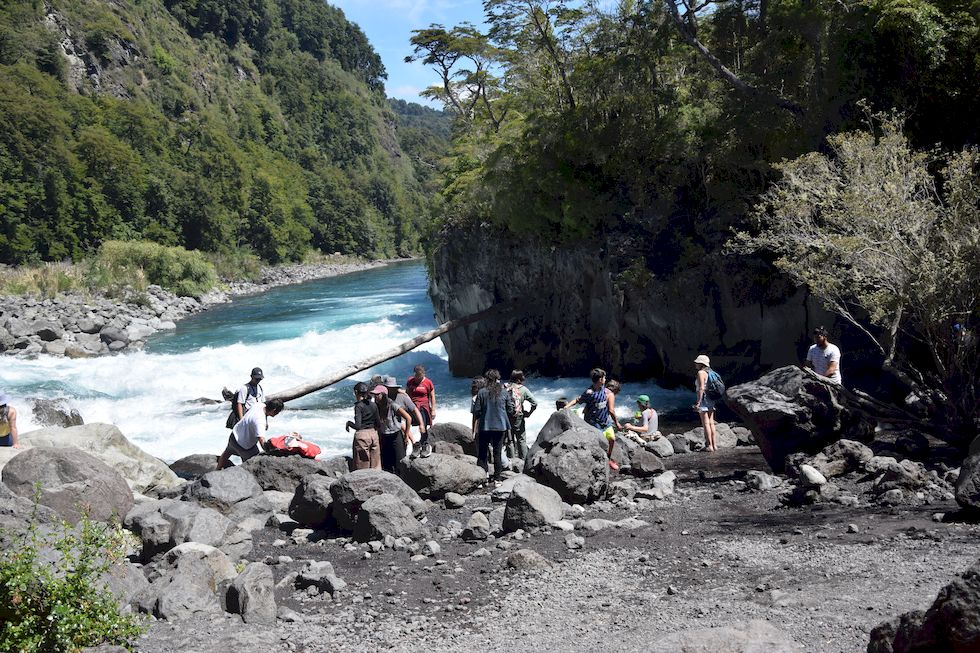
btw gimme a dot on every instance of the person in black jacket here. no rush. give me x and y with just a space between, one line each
367 420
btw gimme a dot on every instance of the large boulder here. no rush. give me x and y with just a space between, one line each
253 595
284 473
196 465
312 504
162 525
968 484
233 492
353 489
143 472
16 513
793 410
439 474
842 457
56 412
383 515
569 456
950 625
531 505
187 583
756 636
454 433
71 482
646 463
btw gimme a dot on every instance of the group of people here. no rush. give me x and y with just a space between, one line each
385 413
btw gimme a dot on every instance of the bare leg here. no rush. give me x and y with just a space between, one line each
223 459
714 432
706 426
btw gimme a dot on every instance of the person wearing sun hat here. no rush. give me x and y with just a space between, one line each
8 423
705 405
649 426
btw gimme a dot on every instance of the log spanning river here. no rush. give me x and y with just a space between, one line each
294 333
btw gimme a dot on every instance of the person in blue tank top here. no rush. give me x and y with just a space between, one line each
600 410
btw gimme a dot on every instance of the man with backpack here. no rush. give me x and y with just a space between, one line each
516 443
710 389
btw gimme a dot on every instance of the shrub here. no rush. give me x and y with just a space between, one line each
174 268
46 280
237 265
62 606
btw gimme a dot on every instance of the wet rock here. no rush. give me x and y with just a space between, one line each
532 505
791 409
72 482
569 456
356 487
252 595
383 515
312 504
56 412
439 474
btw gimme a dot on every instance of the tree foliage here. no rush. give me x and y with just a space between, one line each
206 124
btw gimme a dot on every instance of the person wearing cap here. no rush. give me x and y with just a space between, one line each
393 429
705 405
8 423
401 399
823 357
250 394
367 421
649 426
247 435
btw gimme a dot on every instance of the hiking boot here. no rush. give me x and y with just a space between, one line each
426 450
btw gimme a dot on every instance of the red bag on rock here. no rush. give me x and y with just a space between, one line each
293 443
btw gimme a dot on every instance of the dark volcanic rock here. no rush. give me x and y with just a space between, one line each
194 466
383 515
646 463
439 474
252 595
453 433
164 524
284 473
312 504
233 492
72 482
569 456
353 489
531 505
791 410
968 484
56 412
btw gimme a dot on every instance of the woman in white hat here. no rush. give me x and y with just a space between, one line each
705 406
8 422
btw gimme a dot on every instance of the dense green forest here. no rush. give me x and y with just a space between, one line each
216 125
837 138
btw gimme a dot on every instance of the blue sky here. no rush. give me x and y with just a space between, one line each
389 24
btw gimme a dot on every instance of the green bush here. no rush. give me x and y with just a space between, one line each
237 265
62 606
121 263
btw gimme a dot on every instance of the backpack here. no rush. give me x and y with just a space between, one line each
292 444
715 387
515 393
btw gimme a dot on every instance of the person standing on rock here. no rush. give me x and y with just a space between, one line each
8 423
491 407
823 357
394 428
402 400
705 405
423 393
367 421
250 394
600 410
247 435
516 442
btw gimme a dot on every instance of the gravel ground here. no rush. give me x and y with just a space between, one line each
712 555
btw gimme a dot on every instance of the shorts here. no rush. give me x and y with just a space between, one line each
235 449
610 434
707 405
7 440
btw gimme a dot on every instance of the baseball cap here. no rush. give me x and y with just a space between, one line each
257 373
379 390
643 399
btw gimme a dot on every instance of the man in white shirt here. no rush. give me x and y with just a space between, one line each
250 394
247 435
823 357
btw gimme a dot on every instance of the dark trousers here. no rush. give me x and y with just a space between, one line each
427 421
392 450
496 440
517 443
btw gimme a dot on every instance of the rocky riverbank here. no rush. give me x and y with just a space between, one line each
81 325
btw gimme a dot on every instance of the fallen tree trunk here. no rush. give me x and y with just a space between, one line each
497 310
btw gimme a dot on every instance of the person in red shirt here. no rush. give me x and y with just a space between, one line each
423 394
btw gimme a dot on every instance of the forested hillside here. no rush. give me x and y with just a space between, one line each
213 125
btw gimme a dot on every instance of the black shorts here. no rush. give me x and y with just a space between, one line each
235 449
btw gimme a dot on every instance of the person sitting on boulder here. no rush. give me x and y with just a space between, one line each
247 435
8 423
649 424
367 421
600 410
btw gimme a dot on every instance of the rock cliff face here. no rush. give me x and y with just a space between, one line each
582 307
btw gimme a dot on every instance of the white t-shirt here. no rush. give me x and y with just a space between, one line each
248 396
821 359
252 425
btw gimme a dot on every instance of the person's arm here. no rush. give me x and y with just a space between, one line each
240 399
702 378
807 362
477 410
12 420
834 363
831 368
529 398
432 400
611 399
